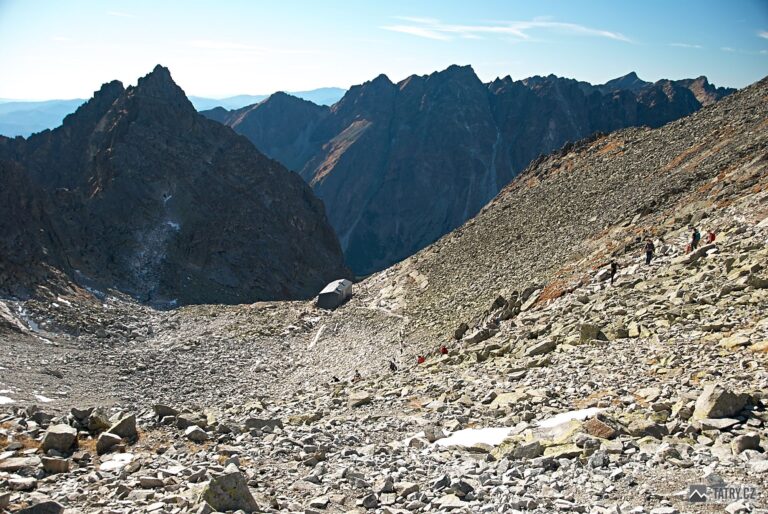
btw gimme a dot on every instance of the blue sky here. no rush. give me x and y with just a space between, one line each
57 49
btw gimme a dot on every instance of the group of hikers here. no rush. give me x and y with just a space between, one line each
650 249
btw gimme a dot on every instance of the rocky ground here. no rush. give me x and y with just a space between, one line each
560 392
670 362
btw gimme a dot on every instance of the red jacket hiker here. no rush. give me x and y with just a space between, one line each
443 350
421 359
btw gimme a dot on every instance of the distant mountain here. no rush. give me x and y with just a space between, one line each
138 192
399 165
321 96
24 118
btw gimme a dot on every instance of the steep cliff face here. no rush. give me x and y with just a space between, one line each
138 192
399 165
280 126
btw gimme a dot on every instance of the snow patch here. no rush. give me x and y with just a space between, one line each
43 399
118 462
565 417
175 226
471 436
4 400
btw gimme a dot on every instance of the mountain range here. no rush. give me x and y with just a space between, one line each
23 118
400 164
139 193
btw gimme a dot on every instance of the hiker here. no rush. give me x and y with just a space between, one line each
421 360
358 377
443 350
614 270
335 379
649 251
711 236
695 238
392 366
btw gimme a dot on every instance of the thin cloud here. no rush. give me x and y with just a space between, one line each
685 45
727 49
210 44
417 31
435 29
120 14
763 34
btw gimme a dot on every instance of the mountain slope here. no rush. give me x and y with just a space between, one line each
280 126
574 209
399 165
138 192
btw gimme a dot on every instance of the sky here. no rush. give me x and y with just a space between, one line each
54 49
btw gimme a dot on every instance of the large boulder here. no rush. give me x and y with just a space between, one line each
61 438
126 428
229 491
716 401
106 442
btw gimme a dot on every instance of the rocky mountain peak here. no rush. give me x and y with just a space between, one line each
455 70
159 85
144 196
630 82
97 106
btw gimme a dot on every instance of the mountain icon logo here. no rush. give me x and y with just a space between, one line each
697 493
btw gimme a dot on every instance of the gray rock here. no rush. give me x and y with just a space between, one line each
433 433
321 502
188 419
229 491
450 501
259 423
98 420
44 507
643 427
55 465
16 463
61 438
126 428
717 402
151 482
370 501
106 442
744 442
196 434
358 398
162 411
22 484
717 423
540 348
81 414
591 332
529 450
